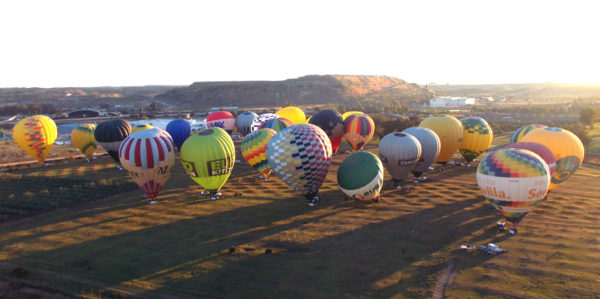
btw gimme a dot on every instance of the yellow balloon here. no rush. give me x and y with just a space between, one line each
83 138
450 131
477 137
566 147
35 135
141 127
346 114
295 114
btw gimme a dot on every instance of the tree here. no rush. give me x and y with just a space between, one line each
588 115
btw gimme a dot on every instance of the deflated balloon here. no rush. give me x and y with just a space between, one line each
430 148
258 121
109 135
276 124
360 176
449 130
359 130
332 123
295 114
254 150
180 130
148 156
567 149
35 135
514 181
300 156
208 157
399 153
221 119
82 137
519 133
477 137
539 149
141 127
243 122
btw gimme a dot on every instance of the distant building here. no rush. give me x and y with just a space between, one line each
83 113
440 102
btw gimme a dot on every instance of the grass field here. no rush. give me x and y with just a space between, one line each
405 246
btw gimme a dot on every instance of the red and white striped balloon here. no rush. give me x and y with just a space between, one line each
148 156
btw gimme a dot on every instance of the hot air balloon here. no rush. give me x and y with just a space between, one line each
567 149
477 137
243 122
141 127
208 157
540 150
360 176
514 181
276 124
148 156
348 113
359 130
35 135
295 114
109 135
300 155
254 150
519 133
258 121
221 119
180 130
332 123
399 153
430 148
82 137
449 130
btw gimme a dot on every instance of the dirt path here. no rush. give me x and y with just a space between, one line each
445 281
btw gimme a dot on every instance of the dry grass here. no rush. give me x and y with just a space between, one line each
396 248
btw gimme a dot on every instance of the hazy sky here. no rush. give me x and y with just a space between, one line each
125 42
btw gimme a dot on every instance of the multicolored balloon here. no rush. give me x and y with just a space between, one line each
243 122
399 153
300 155
539 149
148 156
180 130
208 158
430 148
221 119
254 150
360 176
258 121
35 135
139 128
82 137
514 181
449 130
295 114
519 133
332 123
348 113
276 124
359 130
109 135
567 149
477 137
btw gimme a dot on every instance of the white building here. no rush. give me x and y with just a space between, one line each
450 102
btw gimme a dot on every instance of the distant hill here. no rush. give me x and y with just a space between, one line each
537 91
327 89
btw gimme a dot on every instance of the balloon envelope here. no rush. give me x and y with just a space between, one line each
109 135
332 123
399 153
243 122
519 133
221 119
348 113
300 156
254 150
82 137
359 130
514 181
295 114
539 149
567 149
179 129
258 121
141 127
430 148
208 158
276 124
360 176
449 130
477 137
35 135
148 156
